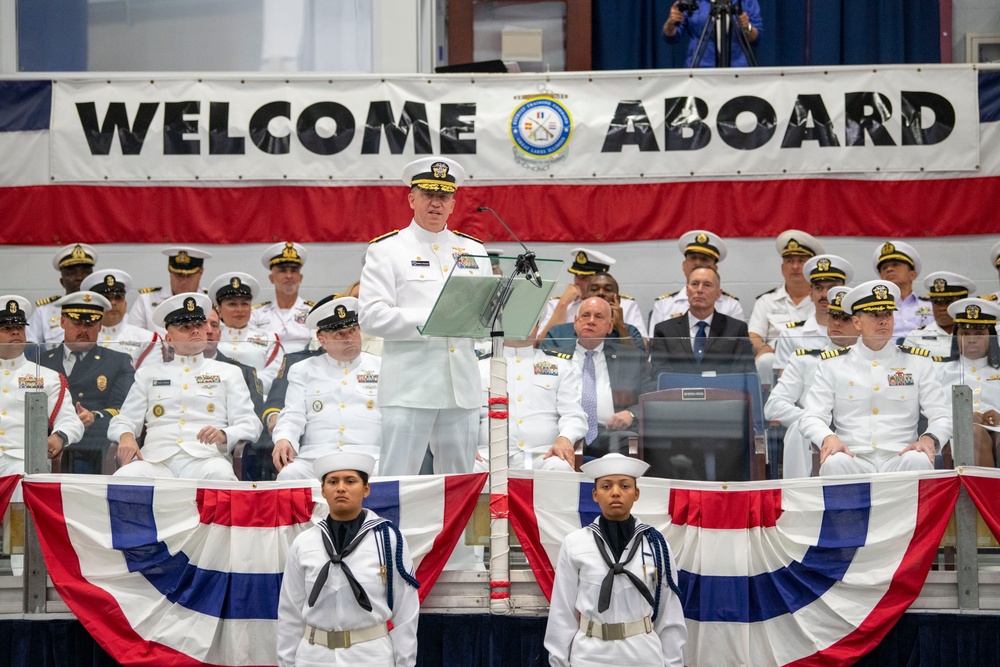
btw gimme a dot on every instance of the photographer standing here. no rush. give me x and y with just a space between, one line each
689 18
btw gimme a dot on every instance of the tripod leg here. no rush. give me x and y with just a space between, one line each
699 52
744 42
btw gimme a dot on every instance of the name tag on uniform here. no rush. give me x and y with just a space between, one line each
419 262
901 379
30 382
546 368
207 379
161 383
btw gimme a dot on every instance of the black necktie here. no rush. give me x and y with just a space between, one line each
338 559
619 568
77 358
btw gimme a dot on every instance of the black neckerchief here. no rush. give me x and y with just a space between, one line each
337 557
616 568
617 533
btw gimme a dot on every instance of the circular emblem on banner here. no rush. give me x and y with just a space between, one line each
540 129
158 410
317 406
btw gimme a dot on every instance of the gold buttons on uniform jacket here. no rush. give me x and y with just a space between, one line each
342 406
874 364
187 370
182 422
875 411
518 377
876 387
451 349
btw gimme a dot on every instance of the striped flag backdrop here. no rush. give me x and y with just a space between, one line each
804 572
174 573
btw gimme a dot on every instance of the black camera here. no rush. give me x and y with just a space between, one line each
689 7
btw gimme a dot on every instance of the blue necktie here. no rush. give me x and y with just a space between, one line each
589 397
700 339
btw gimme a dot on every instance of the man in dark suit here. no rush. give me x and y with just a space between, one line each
99 378
613 375
702 339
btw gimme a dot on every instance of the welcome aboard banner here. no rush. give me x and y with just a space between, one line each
860 150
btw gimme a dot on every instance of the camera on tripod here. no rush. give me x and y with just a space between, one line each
689 7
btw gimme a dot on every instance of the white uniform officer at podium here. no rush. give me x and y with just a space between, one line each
429 387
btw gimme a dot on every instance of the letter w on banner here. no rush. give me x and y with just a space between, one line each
796 572
7 486
178 573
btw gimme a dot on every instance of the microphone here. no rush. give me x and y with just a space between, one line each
526 261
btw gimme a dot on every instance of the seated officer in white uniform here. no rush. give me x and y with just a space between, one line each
874 393
824 272
700 248
545 415
899 263
286 315
233 293
347 580
194 410
74 263
784 403
943 289
586 264
978 367
634 616
332 399
140 344
787 303
21 376
185 266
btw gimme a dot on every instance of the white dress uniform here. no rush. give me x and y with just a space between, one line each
43 325
784 405
544 391
256 348
932 338
575 595
289 325
978 375
631 313
140 344
174 401
675 304
912 313
17 378
330 405
875 399
141 313
402 277
336 609
773 310
807 335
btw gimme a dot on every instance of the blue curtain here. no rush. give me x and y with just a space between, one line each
627 33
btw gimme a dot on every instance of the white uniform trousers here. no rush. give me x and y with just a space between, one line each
182 466
875 460
451 434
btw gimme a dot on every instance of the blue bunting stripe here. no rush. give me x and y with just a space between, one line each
225 595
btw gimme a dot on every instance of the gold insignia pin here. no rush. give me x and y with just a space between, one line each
210 407
341 312
317 406
182 258
823 265
102 382
881 292
158 410
701 238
